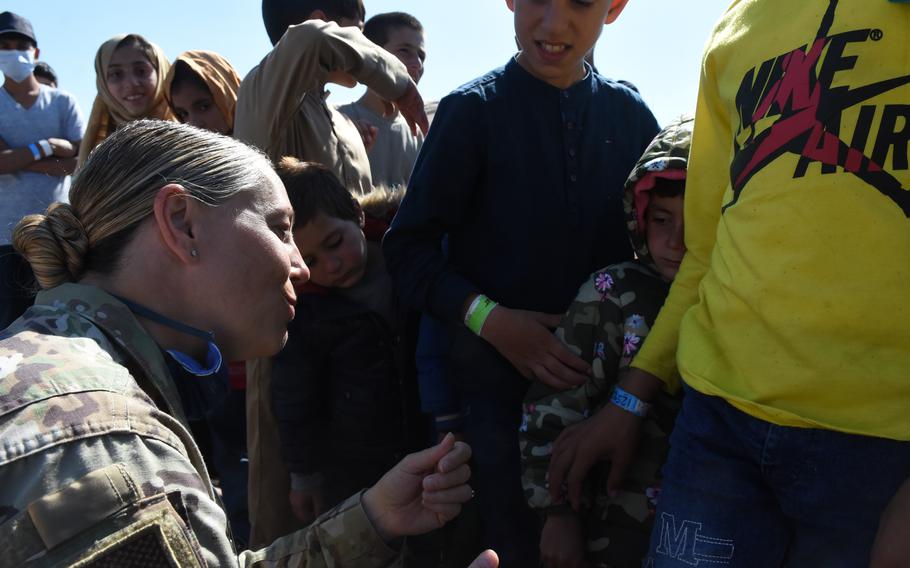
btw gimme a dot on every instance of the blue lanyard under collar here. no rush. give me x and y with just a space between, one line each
151 314
213 358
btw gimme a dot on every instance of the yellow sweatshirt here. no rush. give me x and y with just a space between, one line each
793 302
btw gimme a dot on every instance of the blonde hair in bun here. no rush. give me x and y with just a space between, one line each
54 244
115 191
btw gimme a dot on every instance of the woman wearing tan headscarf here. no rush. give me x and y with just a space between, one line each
128 73
201 88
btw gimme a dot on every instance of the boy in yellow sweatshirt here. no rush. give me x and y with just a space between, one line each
786 320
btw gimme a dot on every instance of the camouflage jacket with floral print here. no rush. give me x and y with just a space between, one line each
605 325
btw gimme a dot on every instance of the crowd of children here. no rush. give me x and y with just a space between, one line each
634 393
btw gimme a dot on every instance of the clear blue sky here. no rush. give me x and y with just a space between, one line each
656 44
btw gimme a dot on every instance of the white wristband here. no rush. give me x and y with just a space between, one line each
46 148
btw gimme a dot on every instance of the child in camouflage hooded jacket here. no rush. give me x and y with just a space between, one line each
606 325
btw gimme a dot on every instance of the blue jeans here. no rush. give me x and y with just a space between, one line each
739 491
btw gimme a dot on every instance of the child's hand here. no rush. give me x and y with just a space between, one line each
610 434
562 542
526 340
307 504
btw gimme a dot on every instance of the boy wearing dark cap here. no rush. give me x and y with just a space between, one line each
40 130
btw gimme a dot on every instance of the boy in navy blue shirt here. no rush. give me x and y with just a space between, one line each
523 170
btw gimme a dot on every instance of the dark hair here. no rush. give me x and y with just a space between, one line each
139 42
379 27
278 15
184 75
313 189
664 187
45 71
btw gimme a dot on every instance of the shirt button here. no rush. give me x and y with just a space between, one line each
571 152
565 94
573 178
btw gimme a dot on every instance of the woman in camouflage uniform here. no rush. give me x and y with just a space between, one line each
171 231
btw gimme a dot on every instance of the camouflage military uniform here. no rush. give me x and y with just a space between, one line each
97 466
606 325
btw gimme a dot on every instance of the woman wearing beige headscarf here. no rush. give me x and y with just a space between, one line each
128 73
201 88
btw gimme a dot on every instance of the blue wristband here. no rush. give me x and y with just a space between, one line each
629 402
36 152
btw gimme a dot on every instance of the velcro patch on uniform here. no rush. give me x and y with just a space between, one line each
83 503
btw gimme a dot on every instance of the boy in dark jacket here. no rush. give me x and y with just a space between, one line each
343 388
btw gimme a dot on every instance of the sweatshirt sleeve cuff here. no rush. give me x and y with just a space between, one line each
447 301
665 370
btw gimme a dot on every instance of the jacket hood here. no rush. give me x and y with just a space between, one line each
379 208
667 157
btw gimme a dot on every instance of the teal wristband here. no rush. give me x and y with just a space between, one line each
629 402
477 314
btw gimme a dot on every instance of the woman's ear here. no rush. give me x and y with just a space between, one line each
173 212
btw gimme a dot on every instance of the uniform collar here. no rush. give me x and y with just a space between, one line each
124 332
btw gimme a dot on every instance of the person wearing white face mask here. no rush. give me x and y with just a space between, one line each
40 131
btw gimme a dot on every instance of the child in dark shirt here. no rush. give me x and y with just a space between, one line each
524 171
343 388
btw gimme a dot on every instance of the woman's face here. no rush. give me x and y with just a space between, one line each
132 80
249 267
196 107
